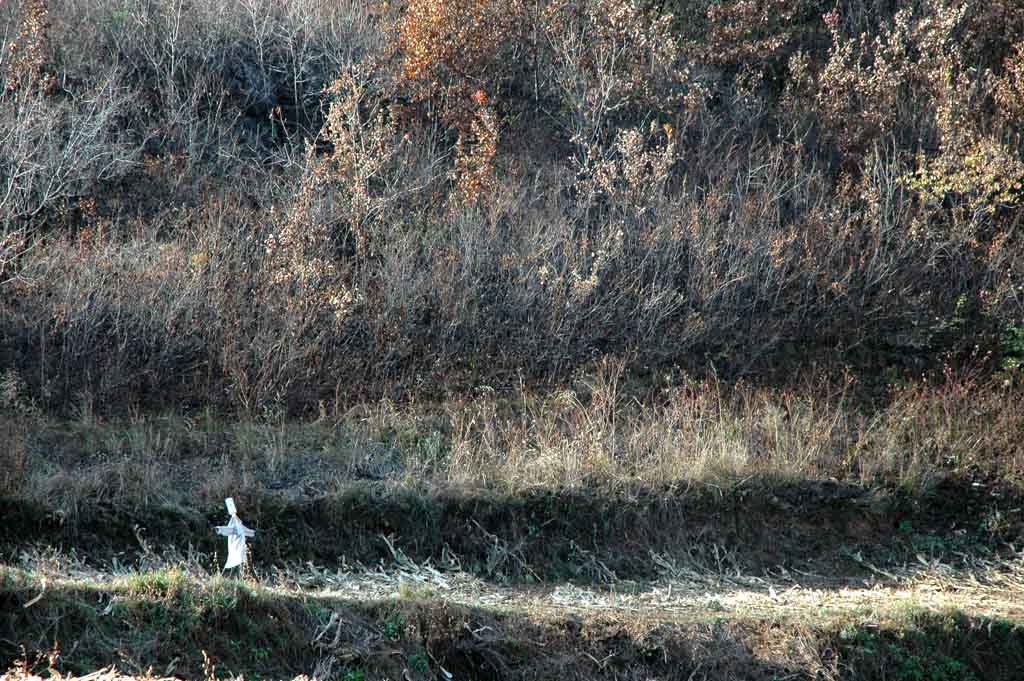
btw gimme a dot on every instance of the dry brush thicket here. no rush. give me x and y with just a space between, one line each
237 204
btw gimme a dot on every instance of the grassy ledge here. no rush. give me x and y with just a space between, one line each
171 623
549 535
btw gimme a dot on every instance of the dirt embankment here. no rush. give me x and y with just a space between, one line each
538 586
173 625
819 526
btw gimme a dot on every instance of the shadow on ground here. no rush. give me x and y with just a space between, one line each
570 536
167 623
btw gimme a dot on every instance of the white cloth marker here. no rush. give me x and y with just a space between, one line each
236 533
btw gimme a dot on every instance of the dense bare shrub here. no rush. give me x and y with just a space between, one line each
57 148
991 31
113 319
613 60
54 146
57 152
14 457
1008 89
755 33
29 57
782 197
450 50
210 73
865 90
473 169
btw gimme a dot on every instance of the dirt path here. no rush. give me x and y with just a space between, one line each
351 622
989 589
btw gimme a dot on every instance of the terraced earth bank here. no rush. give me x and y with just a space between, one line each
380 580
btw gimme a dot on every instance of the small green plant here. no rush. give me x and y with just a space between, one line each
909 667
393 626
414 591
159 585
868 642
949 669
995 523
119 18
928 543
224 596
418 663
14 394
1012 347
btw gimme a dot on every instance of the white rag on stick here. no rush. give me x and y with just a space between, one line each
236 533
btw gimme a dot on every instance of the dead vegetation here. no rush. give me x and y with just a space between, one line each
338 632
572 293
598 435
309 204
